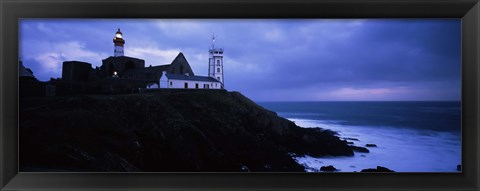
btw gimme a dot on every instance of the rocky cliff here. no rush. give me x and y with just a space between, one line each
168 130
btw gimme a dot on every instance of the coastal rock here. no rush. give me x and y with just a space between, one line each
360 149
244 169
370 145
351 139
165 131
378 169
329 168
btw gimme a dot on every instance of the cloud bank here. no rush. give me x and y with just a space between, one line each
273 60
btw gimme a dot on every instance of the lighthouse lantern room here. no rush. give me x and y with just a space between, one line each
118 44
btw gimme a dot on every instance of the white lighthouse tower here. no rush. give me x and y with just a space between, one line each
215 62
118 44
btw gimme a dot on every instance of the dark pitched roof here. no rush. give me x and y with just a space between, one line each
191 78
180 60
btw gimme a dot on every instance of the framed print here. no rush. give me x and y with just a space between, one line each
239 95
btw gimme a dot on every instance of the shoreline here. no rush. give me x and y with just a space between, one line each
409 156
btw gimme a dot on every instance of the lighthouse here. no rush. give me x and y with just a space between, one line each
118 44
215 62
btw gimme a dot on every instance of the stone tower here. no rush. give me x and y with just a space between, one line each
215 62
118 44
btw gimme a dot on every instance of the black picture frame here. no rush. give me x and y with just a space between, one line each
11 11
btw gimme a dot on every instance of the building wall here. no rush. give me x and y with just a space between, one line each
215 65
218 69
191 84
74 71
118 51
211 65
164 81
180 84
120 64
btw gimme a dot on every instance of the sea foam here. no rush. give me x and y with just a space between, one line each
399 149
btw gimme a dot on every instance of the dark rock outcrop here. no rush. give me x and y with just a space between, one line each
329 168
360 149
378 169
164 131
370 145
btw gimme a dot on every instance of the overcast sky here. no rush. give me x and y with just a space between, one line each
272 60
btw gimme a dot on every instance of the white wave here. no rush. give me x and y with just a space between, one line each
401 150
300 114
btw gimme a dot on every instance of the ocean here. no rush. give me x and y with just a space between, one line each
423 136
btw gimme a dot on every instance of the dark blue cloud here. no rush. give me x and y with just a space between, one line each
400 52
388 59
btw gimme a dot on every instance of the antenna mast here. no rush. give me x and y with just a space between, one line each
213 41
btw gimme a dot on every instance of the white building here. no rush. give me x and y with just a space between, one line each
186 81
214 80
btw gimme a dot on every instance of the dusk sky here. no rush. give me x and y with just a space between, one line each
272 60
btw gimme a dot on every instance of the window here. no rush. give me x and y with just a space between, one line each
170 84
218 62
196 85
218 69
218 78
185 85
